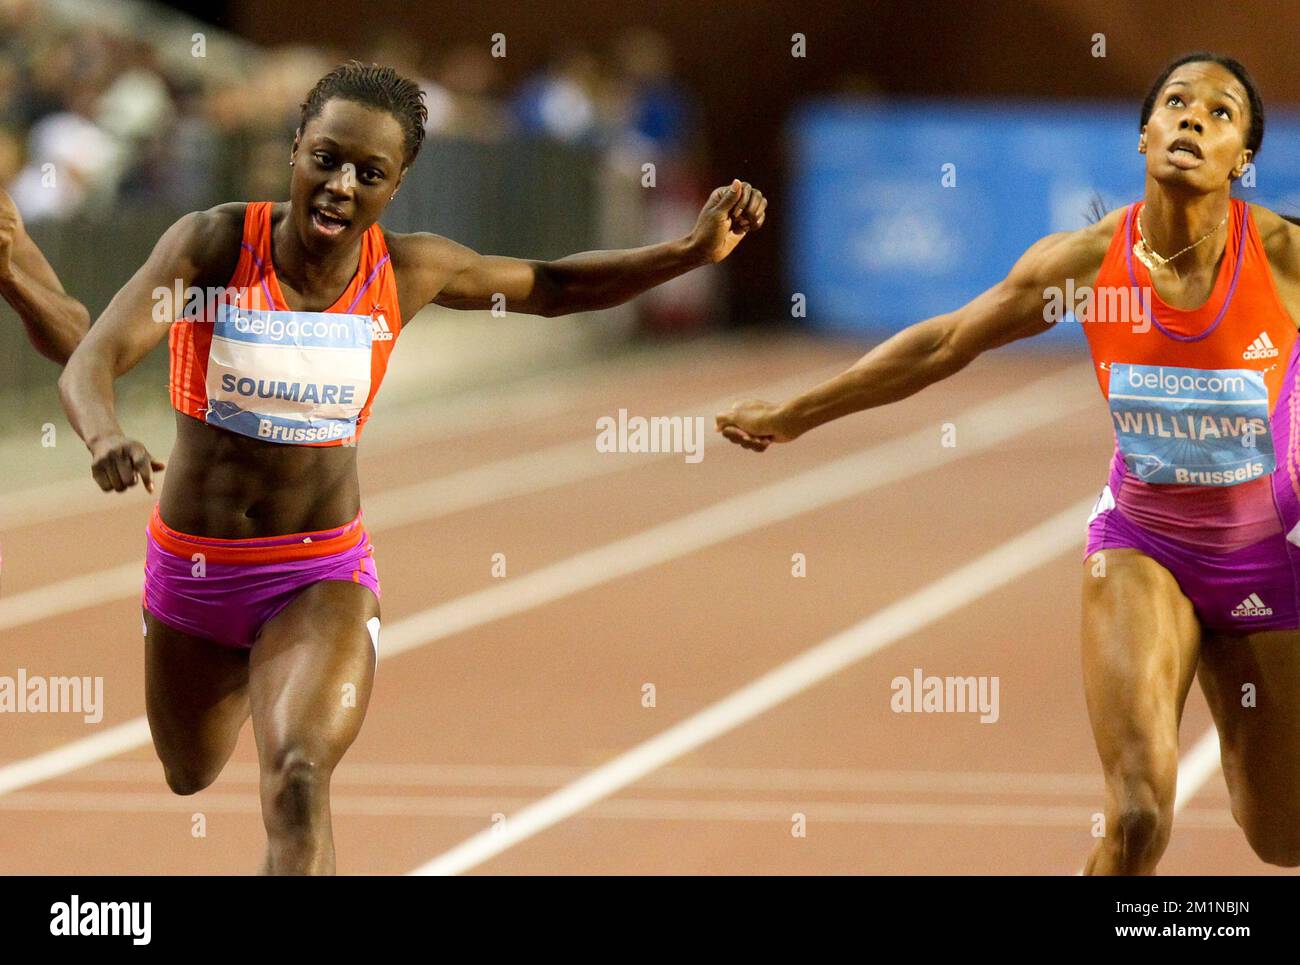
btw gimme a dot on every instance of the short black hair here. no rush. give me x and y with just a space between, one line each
373 86
1255 135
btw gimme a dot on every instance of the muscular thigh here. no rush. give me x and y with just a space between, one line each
1252 684
1140 644
311 673
196 692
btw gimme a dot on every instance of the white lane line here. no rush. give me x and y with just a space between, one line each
429 420
1036 405
53 763
437 420
1197 766
1003 418
533 472
521 475
899 620
784 780
622 809
72 594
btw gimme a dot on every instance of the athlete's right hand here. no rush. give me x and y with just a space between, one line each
753 424
115 461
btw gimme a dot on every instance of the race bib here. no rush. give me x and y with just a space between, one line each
1197 427
288 377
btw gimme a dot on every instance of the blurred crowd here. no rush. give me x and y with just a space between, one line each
106 103
110 106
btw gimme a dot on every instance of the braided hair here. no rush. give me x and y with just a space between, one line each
373 86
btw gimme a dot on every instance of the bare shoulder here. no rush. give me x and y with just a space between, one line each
208 242
423 251
1279 235
1068 254
222 222
1281 240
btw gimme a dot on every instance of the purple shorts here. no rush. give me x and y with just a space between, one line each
226 589
1234 592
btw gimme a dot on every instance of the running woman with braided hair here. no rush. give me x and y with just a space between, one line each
1199 521
271 387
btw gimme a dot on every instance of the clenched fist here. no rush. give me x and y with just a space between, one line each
731 212
117 460
754 424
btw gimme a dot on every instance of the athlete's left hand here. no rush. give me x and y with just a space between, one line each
731 212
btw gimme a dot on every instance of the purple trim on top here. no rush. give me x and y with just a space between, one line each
1232 287
266 289
382 261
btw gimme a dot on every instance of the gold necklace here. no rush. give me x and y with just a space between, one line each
1152 258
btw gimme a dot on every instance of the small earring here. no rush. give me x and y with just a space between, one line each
391 196
290 163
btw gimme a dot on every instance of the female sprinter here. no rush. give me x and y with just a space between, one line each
1198 566
260 589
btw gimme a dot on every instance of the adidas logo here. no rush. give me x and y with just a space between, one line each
1261 348
382 333
1252 606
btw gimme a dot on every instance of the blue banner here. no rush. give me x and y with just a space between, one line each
906 209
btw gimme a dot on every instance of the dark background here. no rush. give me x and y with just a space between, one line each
736 57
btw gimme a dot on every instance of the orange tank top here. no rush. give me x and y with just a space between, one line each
247 363
1193 393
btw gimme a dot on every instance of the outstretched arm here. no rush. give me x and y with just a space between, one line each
55 321
933 349
592 280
